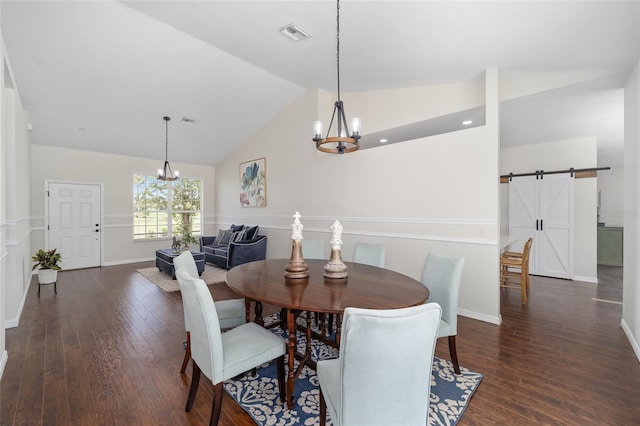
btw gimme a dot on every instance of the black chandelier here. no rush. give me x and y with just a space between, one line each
165 173
343 142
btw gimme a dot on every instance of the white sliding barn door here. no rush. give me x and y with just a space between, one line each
543 208
555 237
73 223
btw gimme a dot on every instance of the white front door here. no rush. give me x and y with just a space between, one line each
73 223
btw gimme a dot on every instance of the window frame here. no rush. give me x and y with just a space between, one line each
167 194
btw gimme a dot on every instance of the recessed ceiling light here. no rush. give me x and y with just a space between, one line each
466 122
383 140
294 32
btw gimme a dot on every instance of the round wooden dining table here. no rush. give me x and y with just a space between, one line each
365 286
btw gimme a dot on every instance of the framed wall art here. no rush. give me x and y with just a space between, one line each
253 183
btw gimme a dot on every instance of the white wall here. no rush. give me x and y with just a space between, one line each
18 244
115 172
631 279
3 220
15 208
433 194
611 189
561 155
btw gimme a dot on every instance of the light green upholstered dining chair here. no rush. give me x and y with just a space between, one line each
221 356
369 254
231 313
373 382
313 249
442 276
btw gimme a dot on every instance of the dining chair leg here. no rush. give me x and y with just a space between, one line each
281 379
454 354
187 354
216 405
323 410
523 286
195 381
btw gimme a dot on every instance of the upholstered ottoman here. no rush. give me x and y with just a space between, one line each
164 261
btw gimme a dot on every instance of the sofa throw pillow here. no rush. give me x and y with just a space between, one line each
237 236
225 238
218 238
236 228
251 232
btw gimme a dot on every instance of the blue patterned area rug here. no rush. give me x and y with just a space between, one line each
258 395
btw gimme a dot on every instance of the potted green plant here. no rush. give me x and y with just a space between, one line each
187 238
47 265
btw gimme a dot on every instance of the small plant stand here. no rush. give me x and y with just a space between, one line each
46 277
55 286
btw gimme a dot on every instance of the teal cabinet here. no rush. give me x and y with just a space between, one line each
610 243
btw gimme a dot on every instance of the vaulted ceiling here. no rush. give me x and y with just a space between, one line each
101 75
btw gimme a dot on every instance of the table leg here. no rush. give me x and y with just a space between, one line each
291 351
258 310
247 309
308 335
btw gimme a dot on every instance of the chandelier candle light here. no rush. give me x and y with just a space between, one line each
165 173
343 141
296 267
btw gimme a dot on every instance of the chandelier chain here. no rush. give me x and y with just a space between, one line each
166 139
338 44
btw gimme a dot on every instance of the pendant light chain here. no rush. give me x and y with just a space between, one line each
165 173
338 44
166 139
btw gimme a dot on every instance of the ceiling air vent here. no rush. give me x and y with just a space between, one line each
294 32
187 121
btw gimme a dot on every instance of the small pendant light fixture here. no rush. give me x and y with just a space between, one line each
343 143
165 173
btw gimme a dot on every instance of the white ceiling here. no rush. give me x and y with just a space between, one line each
101 75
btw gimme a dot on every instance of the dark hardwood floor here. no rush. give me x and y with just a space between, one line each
107 350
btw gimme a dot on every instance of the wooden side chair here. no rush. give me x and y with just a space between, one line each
514 270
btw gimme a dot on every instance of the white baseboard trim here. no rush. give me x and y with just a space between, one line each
3 362
127 261
11 323
593 280
632 340
480 317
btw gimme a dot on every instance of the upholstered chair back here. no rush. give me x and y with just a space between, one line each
313 249
206 337
187 263
442 276
385 366
370 254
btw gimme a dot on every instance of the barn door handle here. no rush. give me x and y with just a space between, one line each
536 224
541 227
